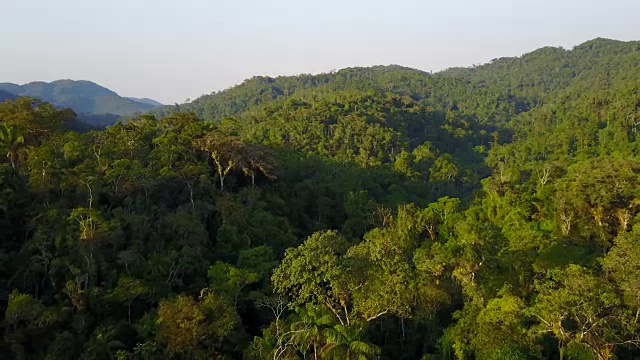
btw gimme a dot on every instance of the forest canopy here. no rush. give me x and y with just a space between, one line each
490 212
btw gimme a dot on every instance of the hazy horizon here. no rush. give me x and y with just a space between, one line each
170 51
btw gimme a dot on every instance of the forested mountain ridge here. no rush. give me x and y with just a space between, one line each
84 97
372 213
519 82
146 101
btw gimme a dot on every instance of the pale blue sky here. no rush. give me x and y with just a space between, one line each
173 49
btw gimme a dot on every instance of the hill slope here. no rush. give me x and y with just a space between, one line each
4 95
146 101
493 92
83 97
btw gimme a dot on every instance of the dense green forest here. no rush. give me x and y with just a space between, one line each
487 213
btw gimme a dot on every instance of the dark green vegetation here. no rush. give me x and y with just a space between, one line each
485 213
91 101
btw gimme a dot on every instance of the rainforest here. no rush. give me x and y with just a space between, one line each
489 212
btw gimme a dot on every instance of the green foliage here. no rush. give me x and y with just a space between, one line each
191 327
370 213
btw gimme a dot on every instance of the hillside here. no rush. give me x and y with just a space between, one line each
6 96
83 97
146 101
374 213
492 92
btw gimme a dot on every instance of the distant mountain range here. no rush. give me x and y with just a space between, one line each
84 97
4 95
146 101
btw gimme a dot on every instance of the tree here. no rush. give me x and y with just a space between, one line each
181 324
502 328
258 159
443 169
225 151
103 344
191 327
623 264
315 272
128 290
11 141
577 306
343 342
228 280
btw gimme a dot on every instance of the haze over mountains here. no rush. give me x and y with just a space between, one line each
83 97
7 95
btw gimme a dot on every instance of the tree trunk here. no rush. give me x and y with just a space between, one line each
13 162
193 205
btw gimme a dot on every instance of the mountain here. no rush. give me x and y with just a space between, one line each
263 89
493 91
4 95
84 97
146 101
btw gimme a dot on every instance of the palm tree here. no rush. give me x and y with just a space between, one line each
102 345
308 330
343 342
264 347
11 140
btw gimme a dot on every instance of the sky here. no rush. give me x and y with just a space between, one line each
171 50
